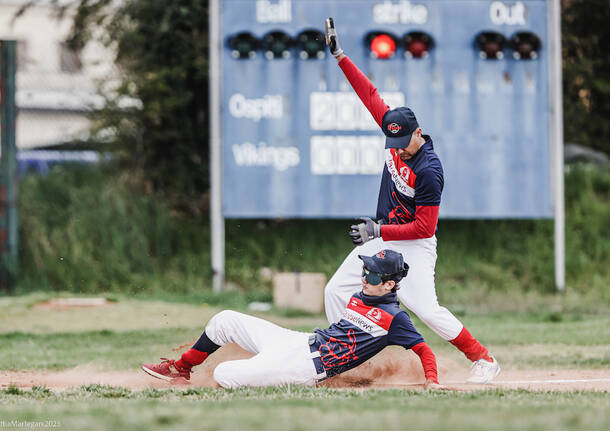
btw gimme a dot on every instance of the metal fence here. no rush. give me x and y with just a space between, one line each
8 165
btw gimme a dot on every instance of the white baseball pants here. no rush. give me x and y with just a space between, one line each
282 356
417 291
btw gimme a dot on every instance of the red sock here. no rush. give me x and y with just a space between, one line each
470 346
191 358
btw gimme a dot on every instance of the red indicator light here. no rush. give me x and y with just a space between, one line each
418 49
383 46
417 44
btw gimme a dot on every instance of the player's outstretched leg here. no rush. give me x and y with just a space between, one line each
484 366
248 332
170 369
223 328
287 362
418 294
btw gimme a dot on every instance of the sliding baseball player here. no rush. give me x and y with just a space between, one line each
371 320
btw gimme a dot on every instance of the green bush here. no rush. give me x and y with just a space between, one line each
89 229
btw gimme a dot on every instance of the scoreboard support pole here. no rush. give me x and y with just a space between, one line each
217 222
556 134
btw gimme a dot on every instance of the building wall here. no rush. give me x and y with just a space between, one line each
56 88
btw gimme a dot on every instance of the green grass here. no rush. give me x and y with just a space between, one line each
120 336
293 408
128 332
104 349
91 229
111 350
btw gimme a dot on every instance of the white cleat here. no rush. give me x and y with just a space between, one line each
483 371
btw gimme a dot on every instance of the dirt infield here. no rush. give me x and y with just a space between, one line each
391 368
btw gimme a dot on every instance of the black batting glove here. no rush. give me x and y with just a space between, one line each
331 38
365 231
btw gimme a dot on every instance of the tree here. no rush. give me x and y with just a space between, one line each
162 50
586 72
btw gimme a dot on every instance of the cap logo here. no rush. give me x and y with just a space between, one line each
394 128
381 255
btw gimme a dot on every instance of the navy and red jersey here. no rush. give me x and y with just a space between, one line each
369 324
410 191
406 185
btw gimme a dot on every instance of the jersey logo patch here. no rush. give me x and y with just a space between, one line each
374 314
360 314
394 128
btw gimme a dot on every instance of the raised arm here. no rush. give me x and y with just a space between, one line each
363 87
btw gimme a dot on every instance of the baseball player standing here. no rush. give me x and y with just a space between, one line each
407 214
371 320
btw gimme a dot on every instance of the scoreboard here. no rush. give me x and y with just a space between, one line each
297 142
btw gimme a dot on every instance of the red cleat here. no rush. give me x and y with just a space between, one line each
167 370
